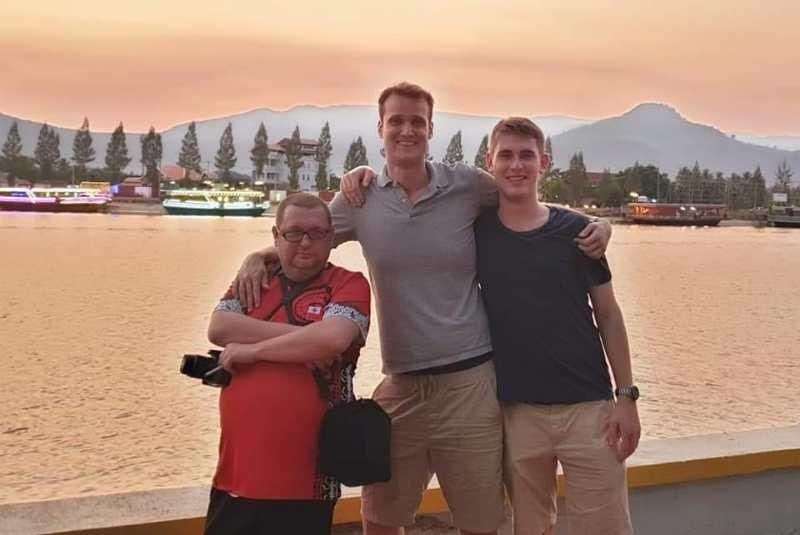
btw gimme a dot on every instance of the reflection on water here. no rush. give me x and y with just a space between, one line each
95 311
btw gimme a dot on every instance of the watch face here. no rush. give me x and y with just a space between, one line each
634 393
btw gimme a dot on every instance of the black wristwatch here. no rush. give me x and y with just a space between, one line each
631 392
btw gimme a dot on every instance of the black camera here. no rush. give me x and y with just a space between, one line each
206 368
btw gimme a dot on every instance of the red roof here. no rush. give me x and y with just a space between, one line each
176 172
173 172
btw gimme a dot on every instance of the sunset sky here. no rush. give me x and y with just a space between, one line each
734 64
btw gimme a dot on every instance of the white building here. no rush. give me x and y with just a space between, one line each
276 172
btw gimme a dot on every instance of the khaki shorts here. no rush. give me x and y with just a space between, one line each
449 425
596 490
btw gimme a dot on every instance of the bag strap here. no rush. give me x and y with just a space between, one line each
290 292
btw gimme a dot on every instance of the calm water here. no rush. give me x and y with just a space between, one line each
95 311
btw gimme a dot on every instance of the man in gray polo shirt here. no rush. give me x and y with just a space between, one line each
416 233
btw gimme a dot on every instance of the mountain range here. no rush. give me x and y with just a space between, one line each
657 134
649 133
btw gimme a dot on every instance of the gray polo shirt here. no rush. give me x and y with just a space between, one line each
422 265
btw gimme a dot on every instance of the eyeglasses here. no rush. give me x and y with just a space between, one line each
296 236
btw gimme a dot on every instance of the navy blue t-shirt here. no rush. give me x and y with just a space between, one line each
547 348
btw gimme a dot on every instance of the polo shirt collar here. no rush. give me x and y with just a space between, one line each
437 179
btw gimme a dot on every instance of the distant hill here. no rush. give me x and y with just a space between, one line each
347 123
657 134
649 133
775 142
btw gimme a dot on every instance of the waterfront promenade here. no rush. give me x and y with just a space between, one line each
744 483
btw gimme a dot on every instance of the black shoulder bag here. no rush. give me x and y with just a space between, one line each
354 443
355 435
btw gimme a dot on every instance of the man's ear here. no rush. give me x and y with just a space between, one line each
430 130
275 235
488 161
380 128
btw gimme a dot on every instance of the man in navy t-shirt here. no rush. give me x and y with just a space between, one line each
554 321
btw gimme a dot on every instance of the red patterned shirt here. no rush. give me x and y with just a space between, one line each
270 414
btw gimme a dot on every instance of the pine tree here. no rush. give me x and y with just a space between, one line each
152 152
189 157
117 154
683 185
324 149
63 171
226 155
350 157
576 178
759 188
54 145
361 155
40 153
259 154
12 150
334 183
783 177
294 159
548 148
696 183
47 152
82 150
480 156
356 155
454 154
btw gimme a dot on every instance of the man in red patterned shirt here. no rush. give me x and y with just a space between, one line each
291 358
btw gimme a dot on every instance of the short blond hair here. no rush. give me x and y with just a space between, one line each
517 126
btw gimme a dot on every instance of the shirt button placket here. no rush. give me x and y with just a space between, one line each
406 204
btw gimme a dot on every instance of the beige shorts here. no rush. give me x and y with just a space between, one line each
449 425
536 436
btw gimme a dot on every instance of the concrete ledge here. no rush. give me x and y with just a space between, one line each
722 459
686 459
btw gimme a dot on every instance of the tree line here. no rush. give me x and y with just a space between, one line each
570 186
47 164
691 185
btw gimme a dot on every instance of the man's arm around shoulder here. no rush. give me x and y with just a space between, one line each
593 240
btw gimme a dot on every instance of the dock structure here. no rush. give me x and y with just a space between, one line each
743 483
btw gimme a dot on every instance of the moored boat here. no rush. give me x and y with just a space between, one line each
651 213
215 202
53 200
784 216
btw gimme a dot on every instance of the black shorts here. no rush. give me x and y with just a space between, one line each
229 515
